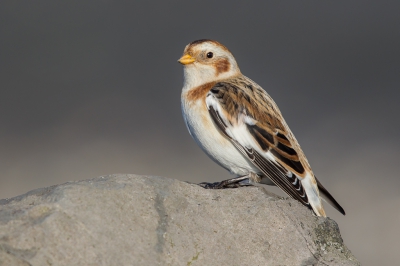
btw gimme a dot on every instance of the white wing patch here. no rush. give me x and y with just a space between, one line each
238 130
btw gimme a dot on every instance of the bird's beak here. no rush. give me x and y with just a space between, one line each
186 59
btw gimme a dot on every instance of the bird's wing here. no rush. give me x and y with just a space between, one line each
246 115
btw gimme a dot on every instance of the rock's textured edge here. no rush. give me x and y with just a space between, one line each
161 221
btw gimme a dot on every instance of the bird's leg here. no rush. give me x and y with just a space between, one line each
241 181
229 183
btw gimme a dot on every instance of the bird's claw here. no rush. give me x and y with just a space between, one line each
219 185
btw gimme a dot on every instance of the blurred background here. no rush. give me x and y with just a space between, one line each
90 88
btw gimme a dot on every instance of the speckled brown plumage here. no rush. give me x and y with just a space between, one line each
199 93
242 95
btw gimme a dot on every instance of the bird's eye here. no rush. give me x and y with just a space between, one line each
210 54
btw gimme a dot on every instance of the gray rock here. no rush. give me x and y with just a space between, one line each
144 220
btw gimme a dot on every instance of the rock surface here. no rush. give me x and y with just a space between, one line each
144 220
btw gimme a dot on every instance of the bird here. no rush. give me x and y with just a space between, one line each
239 126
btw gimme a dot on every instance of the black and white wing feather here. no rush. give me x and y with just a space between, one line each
249 118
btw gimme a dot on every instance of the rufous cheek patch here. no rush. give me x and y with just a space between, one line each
222 65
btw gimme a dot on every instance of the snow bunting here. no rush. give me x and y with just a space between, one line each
239 126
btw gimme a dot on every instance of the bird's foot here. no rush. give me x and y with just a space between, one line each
230 183
218 185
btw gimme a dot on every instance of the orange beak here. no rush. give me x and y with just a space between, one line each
186 59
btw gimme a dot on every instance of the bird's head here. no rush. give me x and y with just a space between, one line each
206 61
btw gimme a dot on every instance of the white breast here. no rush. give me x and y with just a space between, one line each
213 143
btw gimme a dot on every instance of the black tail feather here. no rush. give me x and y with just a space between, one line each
329 198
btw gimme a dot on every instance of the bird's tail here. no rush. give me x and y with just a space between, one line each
328 197
311 188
